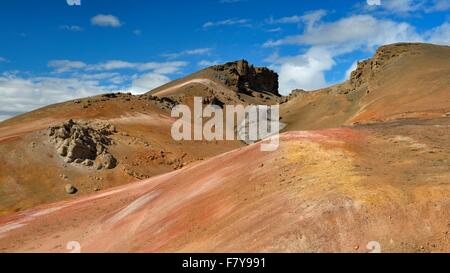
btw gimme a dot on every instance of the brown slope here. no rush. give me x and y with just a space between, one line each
330 190
400 81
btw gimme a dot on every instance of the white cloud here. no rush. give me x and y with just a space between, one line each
356 30
112 65
144 83
5 116
349 71
272 30
137 32
190 52
309 18
206 63
373 2
227 22
438 6
105 20
403 7
286 20
440 35
407 7
162 67
71 28
3 60
304 71
62 66
22 94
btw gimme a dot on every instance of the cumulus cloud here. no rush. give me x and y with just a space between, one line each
304 71
106 20
227 22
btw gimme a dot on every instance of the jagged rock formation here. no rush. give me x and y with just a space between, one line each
84 143
245 78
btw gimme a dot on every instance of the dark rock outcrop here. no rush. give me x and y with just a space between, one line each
245 78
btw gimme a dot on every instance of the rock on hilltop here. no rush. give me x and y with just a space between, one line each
245 78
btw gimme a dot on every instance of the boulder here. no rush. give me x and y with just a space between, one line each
70 189
84 143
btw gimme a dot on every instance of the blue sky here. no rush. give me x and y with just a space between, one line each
52 51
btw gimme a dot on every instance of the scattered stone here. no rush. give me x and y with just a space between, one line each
98 166
356 247
70 189
107 160
87 163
